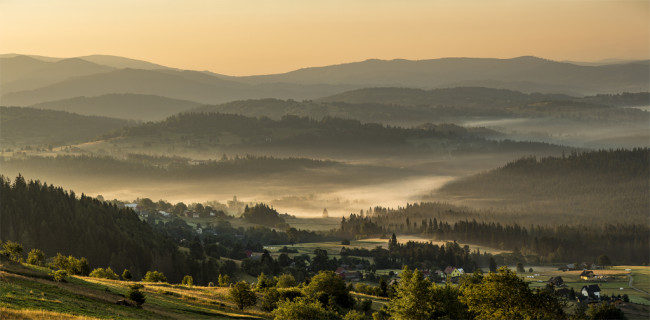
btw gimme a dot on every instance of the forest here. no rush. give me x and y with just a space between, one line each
580 187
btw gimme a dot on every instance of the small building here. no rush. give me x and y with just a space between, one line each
556 281
449 269
164 213
457 272
195 215
587 275
592 291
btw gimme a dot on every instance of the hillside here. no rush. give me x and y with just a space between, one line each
294 136
123 106
590 186
465 102
57 221
34 127
30 293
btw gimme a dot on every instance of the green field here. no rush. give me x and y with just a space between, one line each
27 292
618 282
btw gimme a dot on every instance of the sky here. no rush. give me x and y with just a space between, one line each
246 37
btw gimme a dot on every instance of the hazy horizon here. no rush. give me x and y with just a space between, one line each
239 39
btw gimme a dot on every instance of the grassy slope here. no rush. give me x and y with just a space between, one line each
26 292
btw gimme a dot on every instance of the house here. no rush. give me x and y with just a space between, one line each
587 275
347 275
195 215
592 290
164 213
457 272
132 206
449 269
556 281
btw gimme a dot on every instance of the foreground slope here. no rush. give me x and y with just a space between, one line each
29 292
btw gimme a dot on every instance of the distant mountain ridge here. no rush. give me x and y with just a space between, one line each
443 72
29 80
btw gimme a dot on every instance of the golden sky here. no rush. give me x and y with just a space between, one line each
243 37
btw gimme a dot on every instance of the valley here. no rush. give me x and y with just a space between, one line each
372 178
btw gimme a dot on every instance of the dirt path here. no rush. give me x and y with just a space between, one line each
632 287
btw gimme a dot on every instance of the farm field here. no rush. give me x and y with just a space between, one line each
333 248
618 282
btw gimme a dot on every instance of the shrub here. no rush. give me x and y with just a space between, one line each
126 275
286 281
242 295
137 296
13 250
59 275
36 257
188 280
224 280
354 315
302 308
154 276
108 273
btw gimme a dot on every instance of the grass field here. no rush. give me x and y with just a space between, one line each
26 292
617 283
333 248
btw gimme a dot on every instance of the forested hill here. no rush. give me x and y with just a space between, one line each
54 220
407 106
586 187
303 136
29 126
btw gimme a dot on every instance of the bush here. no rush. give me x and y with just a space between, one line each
273 296
224 280
36 257
345 242
13 250
328 285
286 281
71 264
270 299
605 310
126 275
59 275
137 296
108 273
188 281
242 295
154 276
354 315
302 308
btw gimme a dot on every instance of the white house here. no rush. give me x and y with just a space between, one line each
591 290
